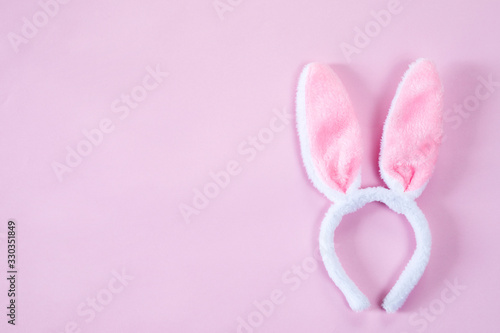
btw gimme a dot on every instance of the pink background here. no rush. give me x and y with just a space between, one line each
119 209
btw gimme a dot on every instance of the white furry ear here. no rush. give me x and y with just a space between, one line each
413 130
328 131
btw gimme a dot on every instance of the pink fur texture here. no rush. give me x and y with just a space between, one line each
413 129
332 128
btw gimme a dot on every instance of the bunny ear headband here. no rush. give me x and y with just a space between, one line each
331 150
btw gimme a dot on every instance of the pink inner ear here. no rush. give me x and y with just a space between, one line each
333 128
413 131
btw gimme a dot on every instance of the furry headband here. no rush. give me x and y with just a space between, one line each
331 150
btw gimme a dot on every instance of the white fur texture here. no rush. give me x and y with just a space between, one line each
410 276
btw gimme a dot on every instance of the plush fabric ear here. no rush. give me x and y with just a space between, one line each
413 130
329 132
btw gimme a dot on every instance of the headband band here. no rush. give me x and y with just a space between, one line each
331 150
413 270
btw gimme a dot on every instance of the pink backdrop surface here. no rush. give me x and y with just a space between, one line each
101 150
